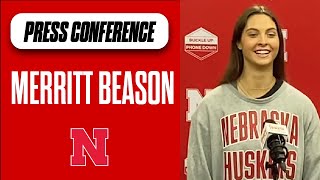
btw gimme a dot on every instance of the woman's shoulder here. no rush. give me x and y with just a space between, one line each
218 94
296 94
218 90
214 99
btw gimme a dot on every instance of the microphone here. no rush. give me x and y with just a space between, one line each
274 137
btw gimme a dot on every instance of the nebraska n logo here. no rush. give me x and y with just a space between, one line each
96 151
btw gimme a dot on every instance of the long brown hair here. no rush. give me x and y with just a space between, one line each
235 66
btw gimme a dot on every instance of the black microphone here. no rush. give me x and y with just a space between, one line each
274 137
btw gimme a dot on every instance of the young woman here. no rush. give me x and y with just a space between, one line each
225 132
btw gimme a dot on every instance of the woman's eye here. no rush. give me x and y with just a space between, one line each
252 34
271 34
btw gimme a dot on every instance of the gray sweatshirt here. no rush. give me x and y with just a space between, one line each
224 137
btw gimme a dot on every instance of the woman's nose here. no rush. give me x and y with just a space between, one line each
262 40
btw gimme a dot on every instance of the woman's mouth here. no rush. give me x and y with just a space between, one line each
262 53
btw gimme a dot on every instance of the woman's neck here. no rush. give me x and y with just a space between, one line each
255 84
257 78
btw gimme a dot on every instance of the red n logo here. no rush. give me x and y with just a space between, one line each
96 151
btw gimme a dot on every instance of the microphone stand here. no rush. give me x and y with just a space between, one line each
278 153
274 170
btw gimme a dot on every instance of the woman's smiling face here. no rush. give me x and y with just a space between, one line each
259 41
